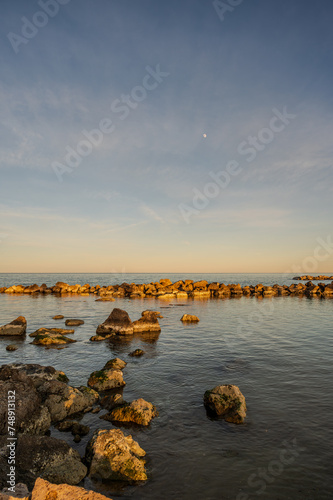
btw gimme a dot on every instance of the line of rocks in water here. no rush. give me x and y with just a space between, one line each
321 277
165 289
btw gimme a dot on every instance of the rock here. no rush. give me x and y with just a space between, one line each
104 380
74 426
96 410
44 490
74 322
37 373
47 457
11 347
99 338
47 331
59 316
31 416
137 353
16 327
112 401
62 400
148 322
52 338
226 401
114 456
118 323
140 412
189 318
115 364
21 492
105 299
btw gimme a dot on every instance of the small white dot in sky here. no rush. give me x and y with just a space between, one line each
204 135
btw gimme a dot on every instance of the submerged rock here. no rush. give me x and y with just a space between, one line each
148 322
47 457
58 316
11 347
112 401
137 353
228 402
104 380
118 323
140 412
48 491
189 318
114 456
16 327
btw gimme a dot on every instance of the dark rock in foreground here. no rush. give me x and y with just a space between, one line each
47 457
228 402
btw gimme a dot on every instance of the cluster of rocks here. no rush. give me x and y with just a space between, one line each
42 336
44 398
316 278
119 323
180 289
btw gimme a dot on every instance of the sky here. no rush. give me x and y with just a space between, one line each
179 136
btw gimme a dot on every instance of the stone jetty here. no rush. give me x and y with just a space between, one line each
187 289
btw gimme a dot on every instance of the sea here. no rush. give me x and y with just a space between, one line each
277 350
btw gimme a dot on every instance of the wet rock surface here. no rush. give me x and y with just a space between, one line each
44 490
226 401
112 455
139 412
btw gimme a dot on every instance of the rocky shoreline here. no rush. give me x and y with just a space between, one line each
188 289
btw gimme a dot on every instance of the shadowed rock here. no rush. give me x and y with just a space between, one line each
226 401
47 457
104 380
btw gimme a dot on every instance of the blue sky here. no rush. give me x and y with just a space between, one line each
122 207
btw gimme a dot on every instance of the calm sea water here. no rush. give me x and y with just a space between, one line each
278 351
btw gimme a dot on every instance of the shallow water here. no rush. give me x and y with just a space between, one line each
278 351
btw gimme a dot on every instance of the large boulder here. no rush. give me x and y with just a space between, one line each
118 323
47 457
48 491
37 373
140 412
16 327
18 393
104 380
62 400
113 456
148 322
228 402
